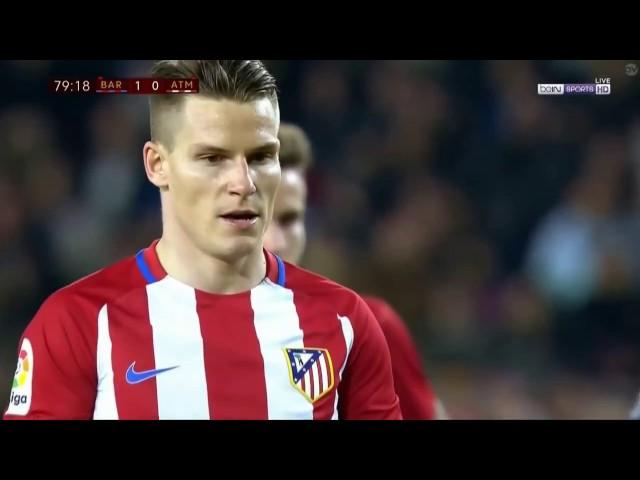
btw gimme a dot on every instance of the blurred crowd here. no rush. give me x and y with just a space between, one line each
501 224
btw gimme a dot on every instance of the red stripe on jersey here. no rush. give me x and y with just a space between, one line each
322 329
272 266
232 346
150 256
130 331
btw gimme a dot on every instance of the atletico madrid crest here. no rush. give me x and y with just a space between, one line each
310 371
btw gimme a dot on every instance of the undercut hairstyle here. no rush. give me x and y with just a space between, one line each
295 148
238 80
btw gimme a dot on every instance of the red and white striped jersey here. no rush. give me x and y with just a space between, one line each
131 342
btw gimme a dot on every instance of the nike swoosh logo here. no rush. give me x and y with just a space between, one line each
134 377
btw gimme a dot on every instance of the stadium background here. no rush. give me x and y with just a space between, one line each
504 226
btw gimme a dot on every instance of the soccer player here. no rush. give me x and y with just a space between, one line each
635 411
205 323
286 236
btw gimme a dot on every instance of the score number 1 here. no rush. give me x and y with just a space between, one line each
145 85
163 85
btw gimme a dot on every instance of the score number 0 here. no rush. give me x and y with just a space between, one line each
154 85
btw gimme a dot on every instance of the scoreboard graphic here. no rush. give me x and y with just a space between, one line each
139 86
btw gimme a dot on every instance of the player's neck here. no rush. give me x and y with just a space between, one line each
189 265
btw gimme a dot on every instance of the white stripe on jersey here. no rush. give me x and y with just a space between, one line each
278 326
316 383
347 332
177 341
307 383
105 407
325 377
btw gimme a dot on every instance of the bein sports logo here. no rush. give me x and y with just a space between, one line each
601 86
551 89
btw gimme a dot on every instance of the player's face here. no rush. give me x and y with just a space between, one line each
223 173
286 235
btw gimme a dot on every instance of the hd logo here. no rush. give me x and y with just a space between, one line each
20 400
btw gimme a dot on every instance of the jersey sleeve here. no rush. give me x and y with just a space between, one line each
56 373
417 398
367 391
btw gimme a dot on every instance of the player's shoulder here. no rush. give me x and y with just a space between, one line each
303 280
382 309
387 316
305 283
106 283
90 293
376 304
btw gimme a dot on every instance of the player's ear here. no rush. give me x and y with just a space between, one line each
155 164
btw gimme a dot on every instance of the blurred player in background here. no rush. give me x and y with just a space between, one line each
205 323
286 236
635 411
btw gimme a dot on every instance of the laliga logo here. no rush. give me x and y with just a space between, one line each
22 371
20 401
17 399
